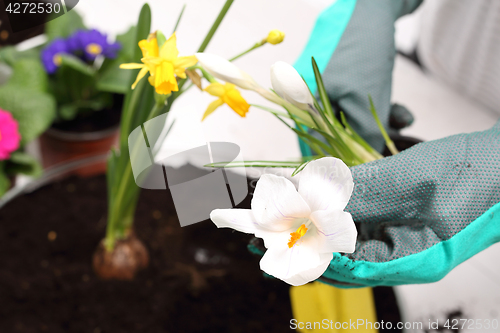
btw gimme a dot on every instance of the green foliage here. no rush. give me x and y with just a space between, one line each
64 25
122 190
25 96
34 110
9 54
28 73
21 162
141 105
4 180
112 77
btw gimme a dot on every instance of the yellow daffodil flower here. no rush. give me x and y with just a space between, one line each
162 64
227 94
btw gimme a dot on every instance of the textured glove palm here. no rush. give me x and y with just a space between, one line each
424 211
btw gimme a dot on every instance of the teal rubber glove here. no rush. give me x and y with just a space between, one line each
422 212
353 45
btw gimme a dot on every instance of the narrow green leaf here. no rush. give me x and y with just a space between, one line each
143 29
300 167
325 100
388 141
215 25
358 138
271 110
179 19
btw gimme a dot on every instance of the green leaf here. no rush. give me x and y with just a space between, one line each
133 97
111 77
179 18
10 55
160 39
29 73
64 25
67 111
142 31
356 137
77 65
4 181
388 141
325 100
301 167
21 162
273 111
33 110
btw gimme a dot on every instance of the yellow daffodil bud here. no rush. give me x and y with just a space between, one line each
275 37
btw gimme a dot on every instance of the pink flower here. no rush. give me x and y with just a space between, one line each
9 135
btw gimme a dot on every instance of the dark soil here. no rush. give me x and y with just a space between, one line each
200 279
94 121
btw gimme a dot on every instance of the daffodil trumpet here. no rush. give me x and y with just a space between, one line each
227 94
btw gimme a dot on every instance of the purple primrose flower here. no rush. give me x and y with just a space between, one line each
51 55
92 43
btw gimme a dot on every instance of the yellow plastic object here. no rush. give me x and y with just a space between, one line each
319 307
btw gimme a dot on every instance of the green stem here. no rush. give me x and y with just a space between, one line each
129 112
256 46
206 74
118 221
216 24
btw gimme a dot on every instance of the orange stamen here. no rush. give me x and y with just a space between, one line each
295 236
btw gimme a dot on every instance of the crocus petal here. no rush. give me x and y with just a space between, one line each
141 74
326 183
276 204
290 86
215 89
237 219
336 231
212 107
225 70
296 266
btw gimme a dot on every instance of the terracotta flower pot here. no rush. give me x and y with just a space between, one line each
87 135
59 146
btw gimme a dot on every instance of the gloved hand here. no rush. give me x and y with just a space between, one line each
353 45
422 212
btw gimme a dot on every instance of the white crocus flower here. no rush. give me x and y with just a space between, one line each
301 228
290 86
225 70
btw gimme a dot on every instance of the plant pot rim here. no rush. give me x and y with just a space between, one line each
81 136
50 174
